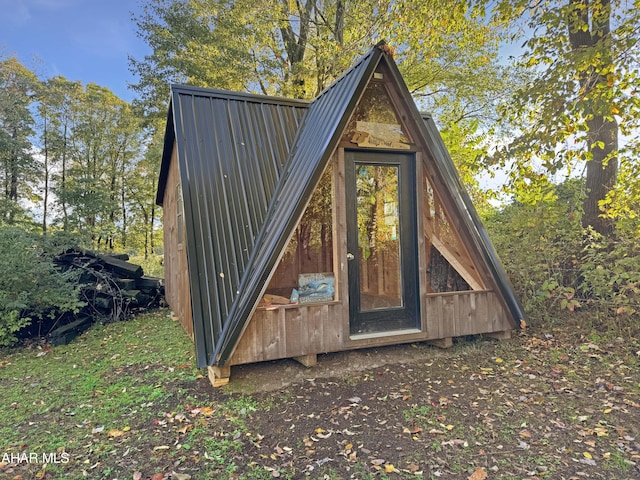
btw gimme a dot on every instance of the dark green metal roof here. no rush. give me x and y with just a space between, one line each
232 149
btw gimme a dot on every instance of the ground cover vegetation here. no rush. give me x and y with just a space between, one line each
557 127
124 401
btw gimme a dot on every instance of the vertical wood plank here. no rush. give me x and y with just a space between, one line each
296 338
422 261
340 223
315 331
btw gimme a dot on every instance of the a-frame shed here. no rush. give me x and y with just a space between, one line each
294 228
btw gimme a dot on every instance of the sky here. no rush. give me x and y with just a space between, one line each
86 40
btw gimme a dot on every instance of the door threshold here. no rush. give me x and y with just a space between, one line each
388 333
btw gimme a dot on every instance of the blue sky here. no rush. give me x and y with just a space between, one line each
86 40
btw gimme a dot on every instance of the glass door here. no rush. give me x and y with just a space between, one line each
381 242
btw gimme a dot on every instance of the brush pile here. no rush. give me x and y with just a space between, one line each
112 288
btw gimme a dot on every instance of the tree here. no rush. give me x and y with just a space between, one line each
58 100
17 167
104 141
584 59
446 51
297 48
141 183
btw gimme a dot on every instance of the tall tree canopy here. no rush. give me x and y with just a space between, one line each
446 51
18 170
72 158
584 59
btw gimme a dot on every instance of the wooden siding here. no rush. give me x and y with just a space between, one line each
290 331
456 314
176 272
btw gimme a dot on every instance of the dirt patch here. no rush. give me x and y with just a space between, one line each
276 375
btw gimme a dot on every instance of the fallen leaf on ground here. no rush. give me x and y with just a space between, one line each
478 474
180 476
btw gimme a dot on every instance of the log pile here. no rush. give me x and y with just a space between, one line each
112 288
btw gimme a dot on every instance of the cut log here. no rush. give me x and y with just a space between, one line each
148 282
66 333
120 267
126 283
119 256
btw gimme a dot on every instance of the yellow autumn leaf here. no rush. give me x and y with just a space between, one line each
587 455
615 110
389 468
499 360
348 446
115 433
206 411
608 410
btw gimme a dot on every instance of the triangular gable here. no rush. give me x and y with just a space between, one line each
430 138
471 223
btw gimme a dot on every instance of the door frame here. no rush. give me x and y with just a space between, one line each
392 320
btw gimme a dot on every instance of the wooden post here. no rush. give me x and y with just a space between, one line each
219 376
504 335
307 360
441 342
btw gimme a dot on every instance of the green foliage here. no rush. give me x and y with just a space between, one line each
610 273
31 287
298 48
539 243
17 166
583 63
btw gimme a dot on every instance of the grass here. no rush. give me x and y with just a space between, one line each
108 380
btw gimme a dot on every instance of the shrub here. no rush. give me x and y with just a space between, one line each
31 287
610 272
539 245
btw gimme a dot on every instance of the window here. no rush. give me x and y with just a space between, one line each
375 123
305 272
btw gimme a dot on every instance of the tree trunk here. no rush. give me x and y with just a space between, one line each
602 171
63 179
602 168
45 199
